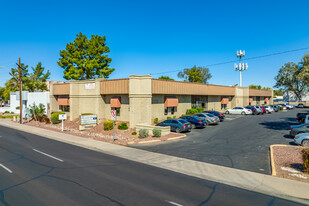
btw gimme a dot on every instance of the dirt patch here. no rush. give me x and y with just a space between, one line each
288 162
122 137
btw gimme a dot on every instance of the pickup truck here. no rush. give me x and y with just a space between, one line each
301 116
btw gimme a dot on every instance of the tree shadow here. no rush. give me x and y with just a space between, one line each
276 125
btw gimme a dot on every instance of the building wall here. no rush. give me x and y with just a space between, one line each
124 109
85 98
158 106
140 100
214 103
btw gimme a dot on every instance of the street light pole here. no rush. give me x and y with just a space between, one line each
20 94
240 67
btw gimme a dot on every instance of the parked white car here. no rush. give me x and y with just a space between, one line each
238 110
302 139
269 109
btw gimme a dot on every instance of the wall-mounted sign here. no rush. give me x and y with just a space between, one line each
90 86
88 119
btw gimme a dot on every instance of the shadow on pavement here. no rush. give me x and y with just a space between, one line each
276 125
288 136
292 143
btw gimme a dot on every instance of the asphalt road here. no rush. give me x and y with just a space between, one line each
39 171
242 143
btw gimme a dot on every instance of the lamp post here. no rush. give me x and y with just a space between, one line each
241 66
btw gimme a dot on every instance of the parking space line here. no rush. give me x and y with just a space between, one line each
7 169
173 203
48 155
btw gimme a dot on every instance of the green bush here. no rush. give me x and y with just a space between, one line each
143 133
9 116
12 112
134 133
55 117
87 113
191 111
156 132
183 115
281 108
156 121
168 117
17 107
108 125
200 110
6 112
174 117
305 153
123 126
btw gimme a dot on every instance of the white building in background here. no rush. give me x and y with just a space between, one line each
289 96
28 99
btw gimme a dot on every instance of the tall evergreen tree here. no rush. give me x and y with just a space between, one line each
38 78
86 58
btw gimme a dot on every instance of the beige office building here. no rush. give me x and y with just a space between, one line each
141 99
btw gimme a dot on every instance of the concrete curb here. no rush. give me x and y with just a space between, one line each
264 184
159 140
272 161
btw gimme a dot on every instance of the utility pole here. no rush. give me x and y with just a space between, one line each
20 94
240 67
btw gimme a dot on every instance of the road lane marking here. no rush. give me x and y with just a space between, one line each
7 169
48 155
173 203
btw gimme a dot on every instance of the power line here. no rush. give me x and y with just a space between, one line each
232 61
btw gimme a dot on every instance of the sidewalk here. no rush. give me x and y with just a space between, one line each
265 184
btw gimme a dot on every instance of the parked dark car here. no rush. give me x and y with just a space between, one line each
209 118
275 107
301 116
298 129
177 125
217 114
195 121
253 109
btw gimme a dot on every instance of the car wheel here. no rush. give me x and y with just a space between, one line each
227 112
305 143
177 130
243 113
193 126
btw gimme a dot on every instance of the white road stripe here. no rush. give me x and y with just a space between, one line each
7 169
48 155
173 203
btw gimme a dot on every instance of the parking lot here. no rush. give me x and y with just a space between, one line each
241 142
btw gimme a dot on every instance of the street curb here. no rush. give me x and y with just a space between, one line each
159 140
272 161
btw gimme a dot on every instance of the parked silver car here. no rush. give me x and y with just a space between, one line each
302 139
238 110
269 109
259 109
210 118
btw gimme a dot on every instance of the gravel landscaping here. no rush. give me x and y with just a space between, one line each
288 162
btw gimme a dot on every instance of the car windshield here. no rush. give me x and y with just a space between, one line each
210 115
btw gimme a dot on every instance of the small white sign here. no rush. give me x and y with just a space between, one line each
62 116
90 86
113 115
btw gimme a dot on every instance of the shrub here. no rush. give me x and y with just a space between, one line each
108 125
281 108
87 113
174 117
143 133
6 112
134 133
156 132
183 115
55 117
37 112
123 126
156 121
200 110
12 112
305 153
44 118
17 107
168 117
191 111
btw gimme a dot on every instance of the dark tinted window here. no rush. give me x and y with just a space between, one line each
182 121
174 122
167 121
210 115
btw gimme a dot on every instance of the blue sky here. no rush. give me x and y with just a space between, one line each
159 36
